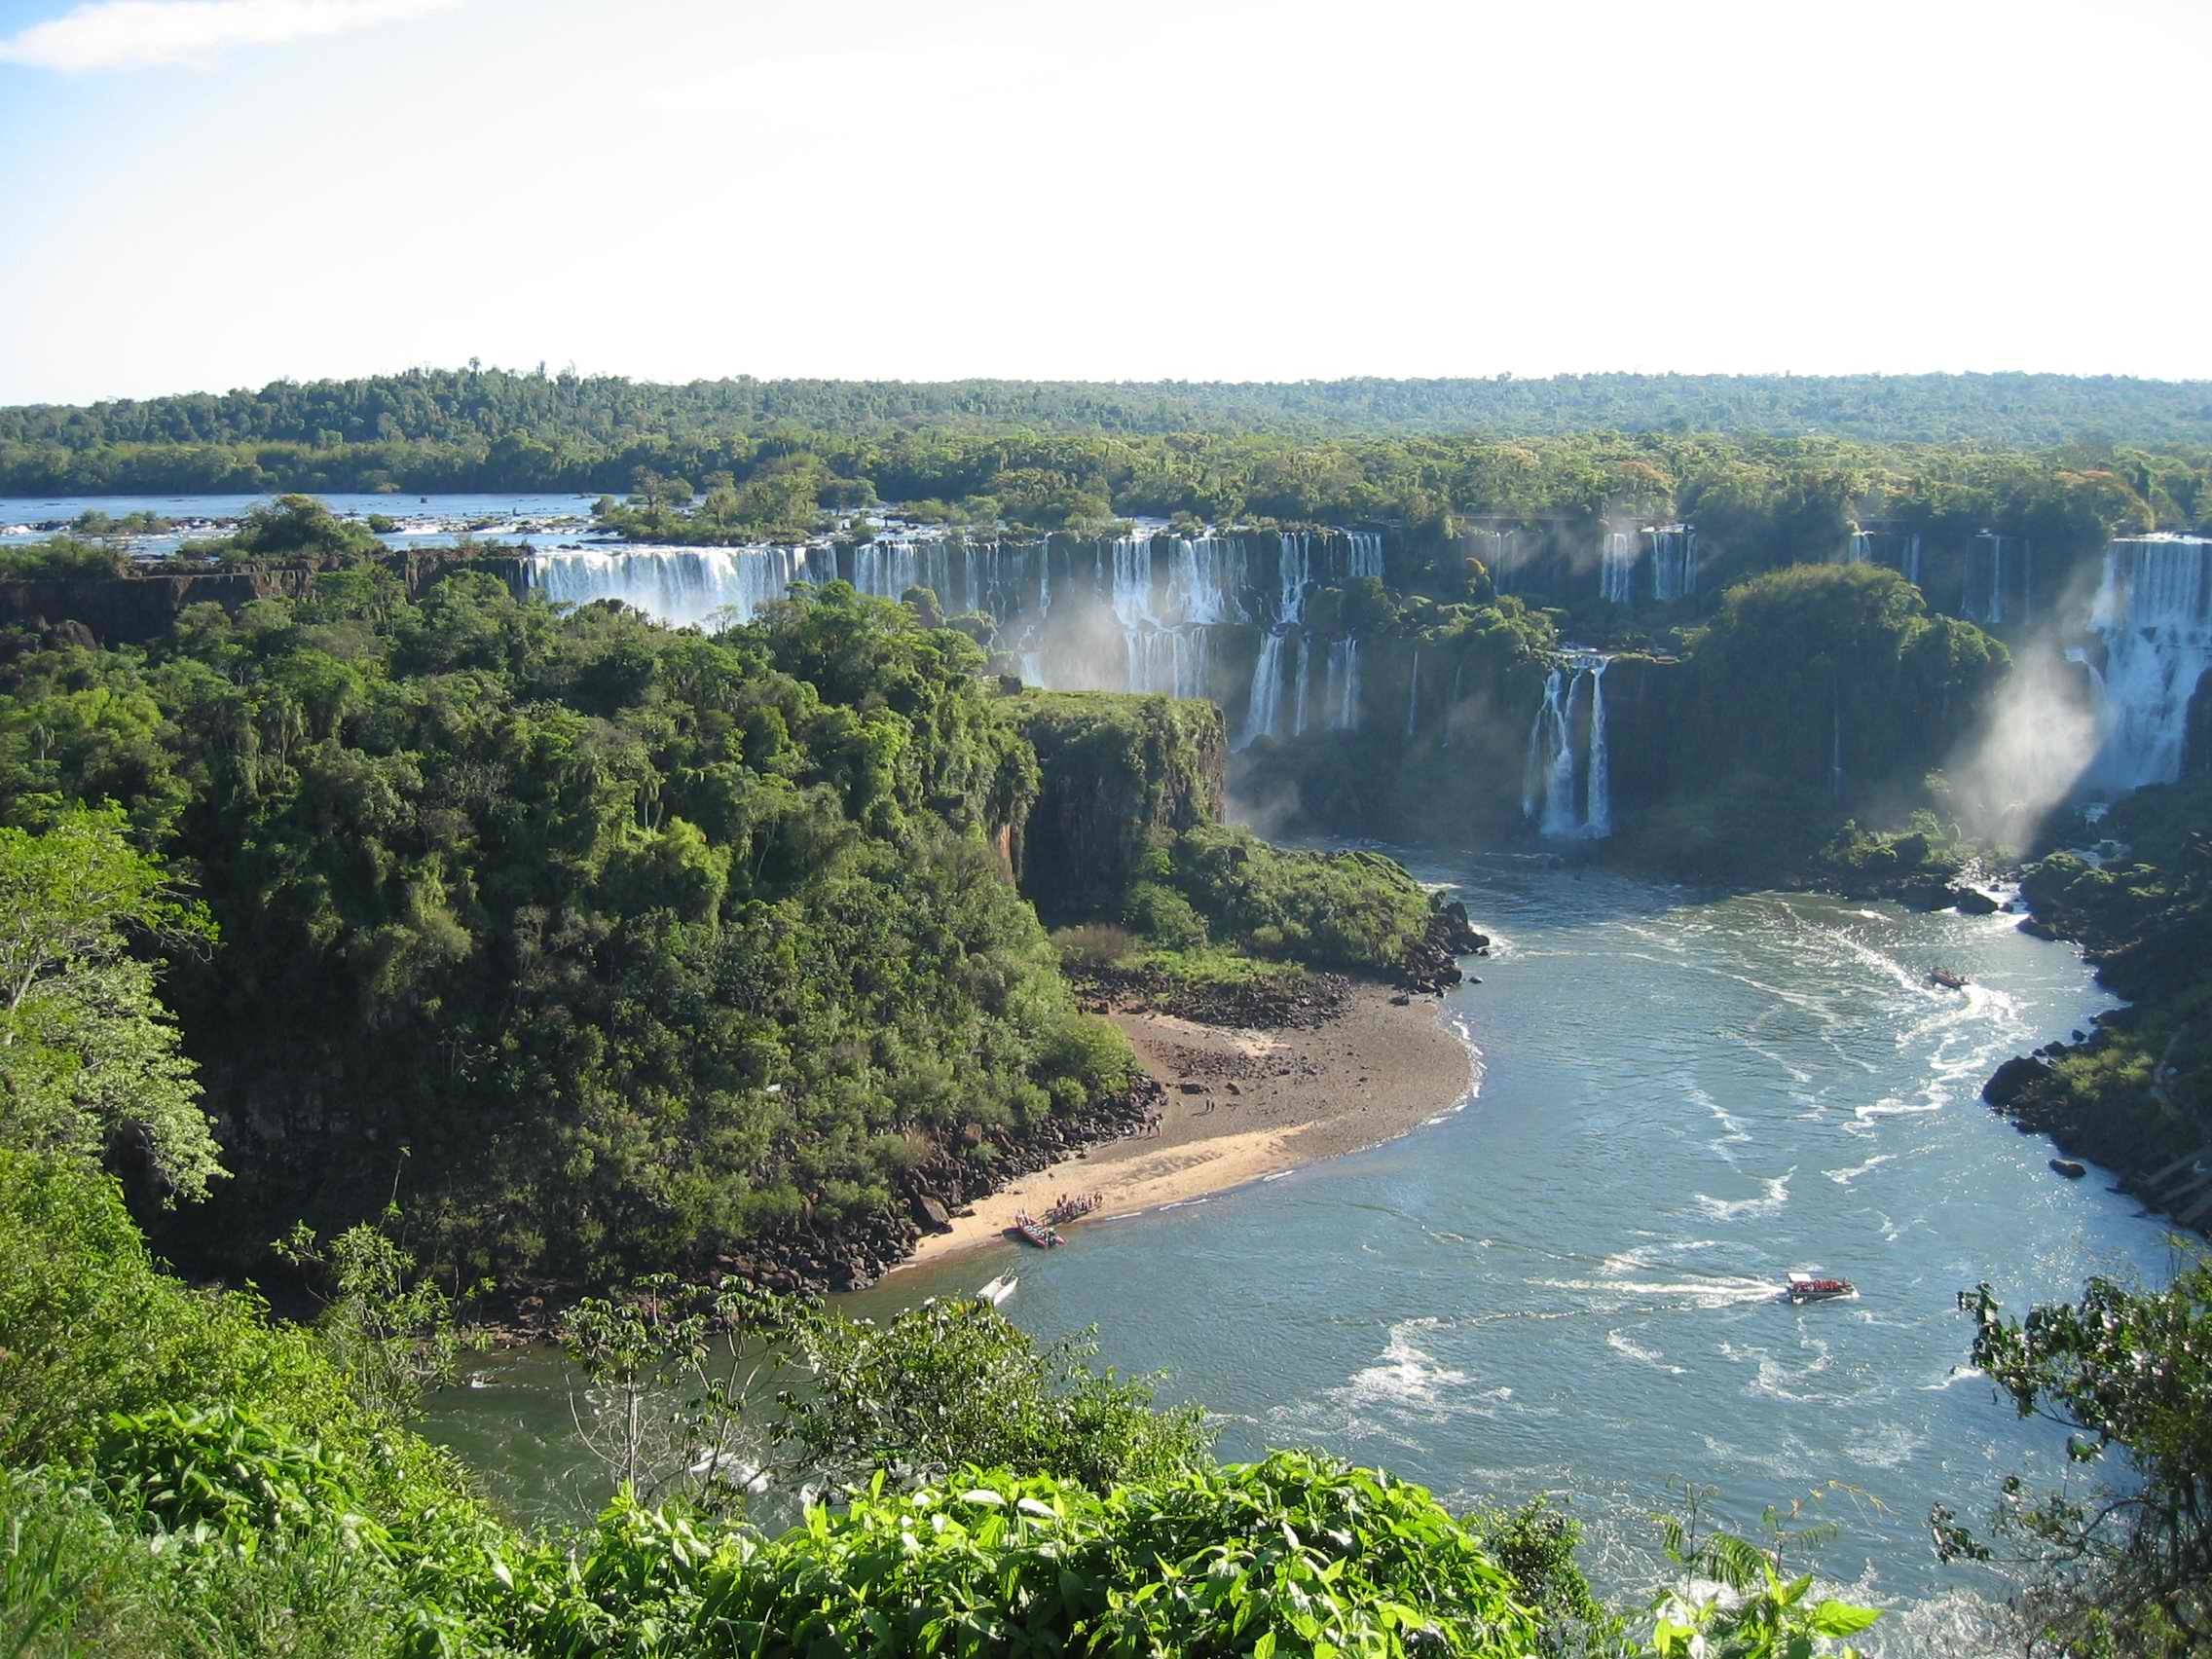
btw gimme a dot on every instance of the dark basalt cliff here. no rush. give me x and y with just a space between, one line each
138 609
1116 769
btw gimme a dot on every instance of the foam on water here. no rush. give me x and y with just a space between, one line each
1628 1348
1774 1195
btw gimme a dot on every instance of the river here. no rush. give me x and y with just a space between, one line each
1568 1286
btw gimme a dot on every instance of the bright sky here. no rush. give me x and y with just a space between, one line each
204 193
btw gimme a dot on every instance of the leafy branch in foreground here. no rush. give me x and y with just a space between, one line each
89 1057
2123 1568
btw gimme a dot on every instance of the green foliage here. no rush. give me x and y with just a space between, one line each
1354 910
293 525
1818 668
89 1058
63 558
668 1369
952 1382
2127 1567
390 1330
643 941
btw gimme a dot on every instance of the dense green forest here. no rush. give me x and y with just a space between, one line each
613 945
443 406
767 465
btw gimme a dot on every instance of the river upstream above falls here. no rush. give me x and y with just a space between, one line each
1568 1286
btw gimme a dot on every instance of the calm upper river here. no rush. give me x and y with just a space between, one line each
1569 1285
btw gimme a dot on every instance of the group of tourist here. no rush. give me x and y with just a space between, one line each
1073 1206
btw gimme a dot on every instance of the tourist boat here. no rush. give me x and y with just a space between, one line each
1031 1231
1949 980
998 1290
1802 1288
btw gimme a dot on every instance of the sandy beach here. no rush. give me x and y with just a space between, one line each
1243 1104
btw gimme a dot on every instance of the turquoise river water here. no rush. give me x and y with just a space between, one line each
1568 1285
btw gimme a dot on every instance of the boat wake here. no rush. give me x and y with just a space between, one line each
1631 1350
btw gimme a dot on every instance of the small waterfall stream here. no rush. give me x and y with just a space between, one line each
1548 796
1616 568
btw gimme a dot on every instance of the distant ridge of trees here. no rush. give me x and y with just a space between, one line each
484 405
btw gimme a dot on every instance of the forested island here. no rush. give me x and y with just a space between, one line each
632 962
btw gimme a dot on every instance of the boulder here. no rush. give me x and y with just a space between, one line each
2013 1080
2068 1168
929 1213
1973 902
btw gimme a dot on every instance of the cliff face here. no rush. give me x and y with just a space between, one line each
1115 770
135 610
2197 745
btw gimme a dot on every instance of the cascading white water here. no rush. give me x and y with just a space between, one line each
1910 563
1547 783
1363 553
1538 763
886 569
1304 678
1347 711
2154 612
1616 568
684 587
1413 693
1674 561
1260 707
1559 780
1263 710
1598 820
1861 550
1204 582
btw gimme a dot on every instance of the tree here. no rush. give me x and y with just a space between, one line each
2125 1568
89 1058
390 1332
669 1369
952 1383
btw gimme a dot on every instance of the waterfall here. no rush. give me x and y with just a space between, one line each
1304 678
1033 668
886 569
1547 780
1043 579
1412 694
1991 615
1616 569
2154 612
1348 714
1598 821
1673 563
1262 709
1559 780
1363 554
684 587
1910 564
1538 763
1202 583
1332 682
1861 550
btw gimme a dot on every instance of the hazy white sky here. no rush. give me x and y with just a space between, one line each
204 193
